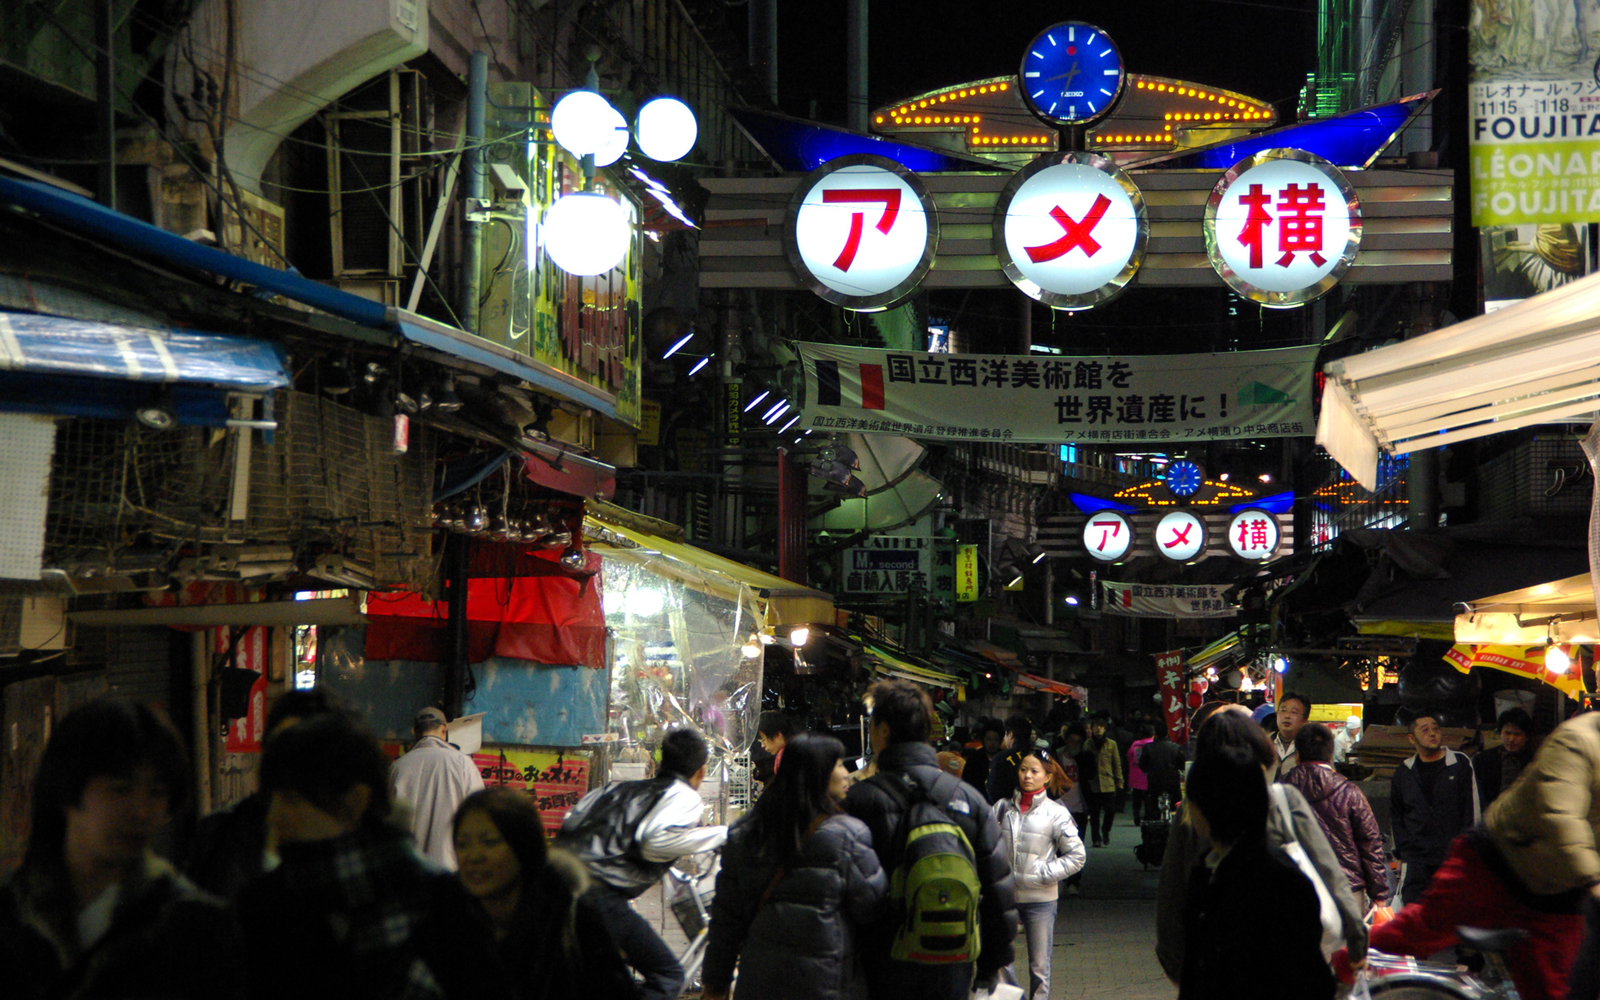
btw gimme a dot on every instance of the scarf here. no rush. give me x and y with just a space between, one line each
377 891
1027 800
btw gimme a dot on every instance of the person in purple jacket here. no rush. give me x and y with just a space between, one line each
1344 813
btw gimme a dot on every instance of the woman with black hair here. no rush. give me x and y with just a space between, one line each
1041 841
92 911
550 937
798 880
1228 805
351 911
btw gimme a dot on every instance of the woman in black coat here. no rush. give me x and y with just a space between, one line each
1228 802
798 879
550 938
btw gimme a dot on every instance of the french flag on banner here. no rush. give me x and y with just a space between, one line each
831 393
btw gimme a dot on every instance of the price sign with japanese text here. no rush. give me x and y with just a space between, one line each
1107 536
967 573
863 231
553 779
1282 227
1072 230
1180 536
1253 534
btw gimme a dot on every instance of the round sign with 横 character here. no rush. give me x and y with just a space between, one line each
1253 534
1107 536
862 232
1071 230
1282 227
1180 536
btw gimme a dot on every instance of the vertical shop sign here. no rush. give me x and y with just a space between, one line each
245 734
1174 695
967 573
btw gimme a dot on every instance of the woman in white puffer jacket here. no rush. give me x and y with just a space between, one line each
1041 841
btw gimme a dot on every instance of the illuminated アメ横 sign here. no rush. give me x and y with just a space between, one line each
1253 534
1071 230
1180 536
1107 536
1282 227
862 229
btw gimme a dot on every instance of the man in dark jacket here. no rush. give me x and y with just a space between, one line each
1344 813
981 760
1432 799
1497 767
901 716
1162 762
1003 772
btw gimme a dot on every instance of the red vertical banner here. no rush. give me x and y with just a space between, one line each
1174 694
245 734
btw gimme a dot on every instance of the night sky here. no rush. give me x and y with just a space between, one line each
1262 49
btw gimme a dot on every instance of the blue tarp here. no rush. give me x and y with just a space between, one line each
32 344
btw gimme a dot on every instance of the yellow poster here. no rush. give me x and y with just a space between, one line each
967 573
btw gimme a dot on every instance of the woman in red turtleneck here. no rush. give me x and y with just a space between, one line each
1042 844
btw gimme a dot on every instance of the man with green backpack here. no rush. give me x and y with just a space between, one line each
952 909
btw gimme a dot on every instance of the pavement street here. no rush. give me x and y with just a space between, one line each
1106 937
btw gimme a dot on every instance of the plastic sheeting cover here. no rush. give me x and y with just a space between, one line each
678 653
51 345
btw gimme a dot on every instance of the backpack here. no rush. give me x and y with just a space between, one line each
933 886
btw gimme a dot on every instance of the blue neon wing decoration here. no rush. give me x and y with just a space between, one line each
803 146
1277 503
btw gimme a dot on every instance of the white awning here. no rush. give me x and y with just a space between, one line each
1532 363
1558 611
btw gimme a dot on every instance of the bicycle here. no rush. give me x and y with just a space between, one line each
1394 977
692 908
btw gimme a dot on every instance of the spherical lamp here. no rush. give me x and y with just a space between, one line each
667 129
586 233
615 142
582 122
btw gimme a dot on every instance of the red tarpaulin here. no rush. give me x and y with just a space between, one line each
552 618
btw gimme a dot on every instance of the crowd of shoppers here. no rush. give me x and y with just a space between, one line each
905 878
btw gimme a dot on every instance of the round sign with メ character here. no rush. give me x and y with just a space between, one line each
1282 227
1180 536
1253 534
862 232
1071 230
1107 536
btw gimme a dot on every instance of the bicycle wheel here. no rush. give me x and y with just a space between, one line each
1413 987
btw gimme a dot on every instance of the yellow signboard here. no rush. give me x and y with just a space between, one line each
967 573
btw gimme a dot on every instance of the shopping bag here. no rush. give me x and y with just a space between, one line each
1001 991
1380 915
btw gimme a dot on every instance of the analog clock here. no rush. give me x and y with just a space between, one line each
1184 478
1071 73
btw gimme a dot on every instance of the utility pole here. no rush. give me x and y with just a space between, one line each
855 48
105 111
472 196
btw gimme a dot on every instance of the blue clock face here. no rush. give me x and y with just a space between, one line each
1184 478
1071 73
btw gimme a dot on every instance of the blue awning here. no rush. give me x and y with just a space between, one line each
50 345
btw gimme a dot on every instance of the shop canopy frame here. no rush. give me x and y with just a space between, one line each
783 602
1535 362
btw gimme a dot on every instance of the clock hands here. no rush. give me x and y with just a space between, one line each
1067 76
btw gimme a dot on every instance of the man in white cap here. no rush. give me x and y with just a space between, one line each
1346 739
432 779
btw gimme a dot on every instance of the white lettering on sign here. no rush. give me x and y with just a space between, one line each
1283 229
1253 534
1073 229
861 230
1107 536
1180 536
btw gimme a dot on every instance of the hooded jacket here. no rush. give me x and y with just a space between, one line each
1352 829
1546 825
1041 844
877 807
630 833
803 940
1423 829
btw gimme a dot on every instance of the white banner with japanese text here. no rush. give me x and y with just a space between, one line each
1041 399
1166 600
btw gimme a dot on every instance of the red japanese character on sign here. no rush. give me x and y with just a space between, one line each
1300 223
1074 232
890 197
1253 534
1115 528
1251 236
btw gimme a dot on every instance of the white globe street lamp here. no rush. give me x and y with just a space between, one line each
587 233
615 130
666 129
583 122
